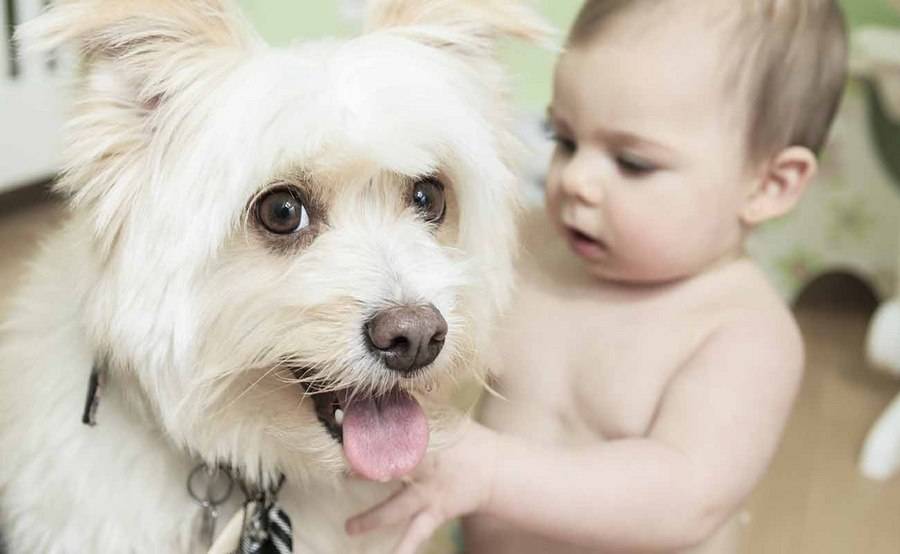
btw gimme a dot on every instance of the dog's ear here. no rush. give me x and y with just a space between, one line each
471 26
141 63
147 44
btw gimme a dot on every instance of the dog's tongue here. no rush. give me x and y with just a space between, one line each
384 438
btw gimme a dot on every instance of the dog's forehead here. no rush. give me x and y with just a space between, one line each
378 100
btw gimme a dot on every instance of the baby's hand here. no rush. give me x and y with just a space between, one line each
449 483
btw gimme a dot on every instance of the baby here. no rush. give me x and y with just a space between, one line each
647 369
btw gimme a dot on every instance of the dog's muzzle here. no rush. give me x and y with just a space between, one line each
385 437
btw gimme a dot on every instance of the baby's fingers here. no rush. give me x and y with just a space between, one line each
399 508
420 530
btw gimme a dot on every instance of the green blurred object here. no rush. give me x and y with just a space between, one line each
871 12
281 21
531 67
885 131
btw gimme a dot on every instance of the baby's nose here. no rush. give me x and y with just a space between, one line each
407 338
578 182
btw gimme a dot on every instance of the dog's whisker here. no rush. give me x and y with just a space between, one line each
253 385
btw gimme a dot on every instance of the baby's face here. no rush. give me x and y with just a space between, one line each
649 173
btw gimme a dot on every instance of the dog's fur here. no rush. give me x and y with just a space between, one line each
183 118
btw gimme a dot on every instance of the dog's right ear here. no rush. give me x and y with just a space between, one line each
151 45
142 62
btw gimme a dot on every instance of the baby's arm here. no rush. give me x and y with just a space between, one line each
716 429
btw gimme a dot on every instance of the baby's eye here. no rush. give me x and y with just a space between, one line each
564 144
635 166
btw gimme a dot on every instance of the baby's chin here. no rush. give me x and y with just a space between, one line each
653 272
621 272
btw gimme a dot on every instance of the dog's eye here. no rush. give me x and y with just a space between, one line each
428 199
281 212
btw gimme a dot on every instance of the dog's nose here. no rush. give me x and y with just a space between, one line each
407 337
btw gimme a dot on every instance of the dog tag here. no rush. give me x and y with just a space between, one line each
229 540
208 518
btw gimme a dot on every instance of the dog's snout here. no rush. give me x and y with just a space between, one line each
407 338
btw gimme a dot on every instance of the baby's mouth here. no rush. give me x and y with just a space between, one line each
585 245
384 437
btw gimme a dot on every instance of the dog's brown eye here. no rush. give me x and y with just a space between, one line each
281 212
428 199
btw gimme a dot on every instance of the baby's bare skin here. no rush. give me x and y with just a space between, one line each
592 362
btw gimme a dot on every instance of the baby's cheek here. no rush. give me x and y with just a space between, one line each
647 229
658 244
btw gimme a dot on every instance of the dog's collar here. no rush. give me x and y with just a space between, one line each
97 379
264 528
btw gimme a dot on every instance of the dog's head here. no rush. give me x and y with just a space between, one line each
292 245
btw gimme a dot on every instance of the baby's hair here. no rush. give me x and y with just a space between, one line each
786 58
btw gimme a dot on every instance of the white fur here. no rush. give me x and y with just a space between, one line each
183 117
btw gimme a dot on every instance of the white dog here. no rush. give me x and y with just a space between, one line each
272 257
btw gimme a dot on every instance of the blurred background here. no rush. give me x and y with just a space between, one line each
284 20
832 487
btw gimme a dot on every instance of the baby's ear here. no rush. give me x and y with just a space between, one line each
780 185
470 26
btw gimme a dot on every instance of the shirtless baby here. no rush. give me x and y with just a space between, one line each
647 369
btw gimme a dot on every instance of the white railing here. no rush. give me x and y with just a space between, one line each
31 104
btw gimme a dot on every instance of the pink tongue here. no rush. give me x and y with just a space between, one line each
385 439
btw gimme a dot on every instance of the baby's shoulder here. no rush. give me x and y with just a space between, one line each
749 315
741 290
756 323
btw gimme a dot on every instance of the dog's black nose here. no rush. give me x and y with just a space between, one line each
407 337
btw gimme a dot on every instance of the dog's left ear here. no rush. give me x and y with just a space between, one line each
469 26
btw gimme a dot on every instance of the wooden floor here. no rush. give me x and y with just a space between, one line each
813 500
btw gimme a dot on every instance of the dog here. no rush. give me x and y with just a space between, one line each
274 263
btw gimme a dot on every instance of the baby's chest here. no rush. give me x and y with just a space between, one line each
578 368
615 385
608 380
